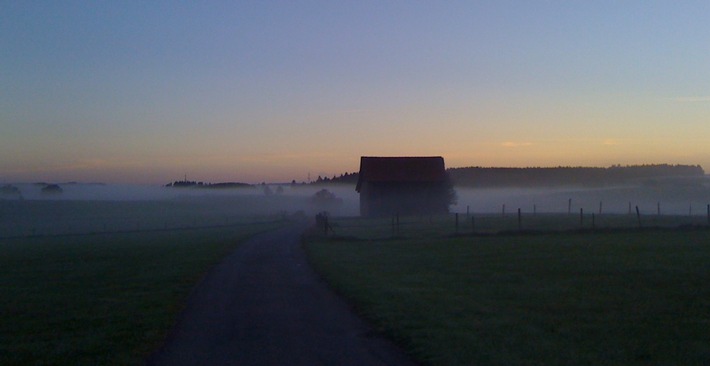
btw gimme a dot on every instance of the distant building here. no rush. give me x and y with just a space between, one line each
403 185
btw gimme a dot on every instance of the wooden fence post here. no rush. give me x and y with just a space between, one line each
520 221
397 223
638 216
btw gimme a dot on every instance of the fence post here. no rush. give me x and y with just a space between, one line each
638 216
569 206
534 209
504 210
658 205
520 221
397 223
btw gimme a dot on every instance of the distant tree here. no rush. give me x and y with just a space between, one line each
10 191
323 195
52 189
326 199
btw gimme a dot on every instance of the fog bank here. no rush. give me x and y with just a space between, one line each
672 199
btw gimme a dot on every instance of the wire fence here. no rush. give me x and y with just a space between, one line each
518 221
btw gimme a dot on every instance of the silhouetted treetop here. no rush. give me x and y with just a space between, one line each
193 184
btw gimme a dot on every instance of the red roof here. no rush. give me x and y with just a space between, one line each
401 169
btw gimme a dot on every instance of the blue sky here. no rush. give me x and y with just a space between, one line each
145 92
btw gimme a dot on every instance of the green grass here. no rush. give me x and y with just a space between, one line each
441 225
101 299
625 298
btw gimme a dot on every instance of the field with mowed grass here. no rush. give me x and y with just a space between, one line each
102 298
614 297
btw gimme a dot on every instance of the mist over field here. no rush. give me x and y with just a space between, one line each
92 208
679 197
127 192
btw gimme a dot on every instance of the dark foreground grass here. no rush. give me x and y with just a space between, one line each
101 299
628 298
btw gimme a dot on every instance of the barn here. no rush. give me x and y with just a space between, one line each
403 185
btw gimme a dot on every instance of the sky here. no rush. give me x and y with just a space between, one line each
147 92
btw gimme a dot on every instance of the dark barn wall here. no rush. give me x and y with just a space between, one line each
410 198
404 185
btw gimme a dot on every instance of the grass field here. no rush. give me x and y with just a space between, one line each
105 298
604 298
483 224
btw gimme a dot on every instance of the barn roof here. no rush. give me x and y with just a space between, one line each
401 169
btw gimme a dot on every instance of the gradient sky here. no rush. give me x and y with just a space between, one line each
147 91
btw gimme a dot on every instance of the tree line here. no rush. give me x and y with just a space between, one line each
483 177
568 176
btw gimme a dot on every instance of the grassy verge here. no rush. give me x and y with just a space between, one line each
626 298
101 299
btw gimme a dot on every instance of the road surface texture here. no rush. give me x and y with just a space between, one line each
263 305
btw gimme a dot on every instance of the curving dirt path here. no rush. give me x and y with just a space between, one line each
263 305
